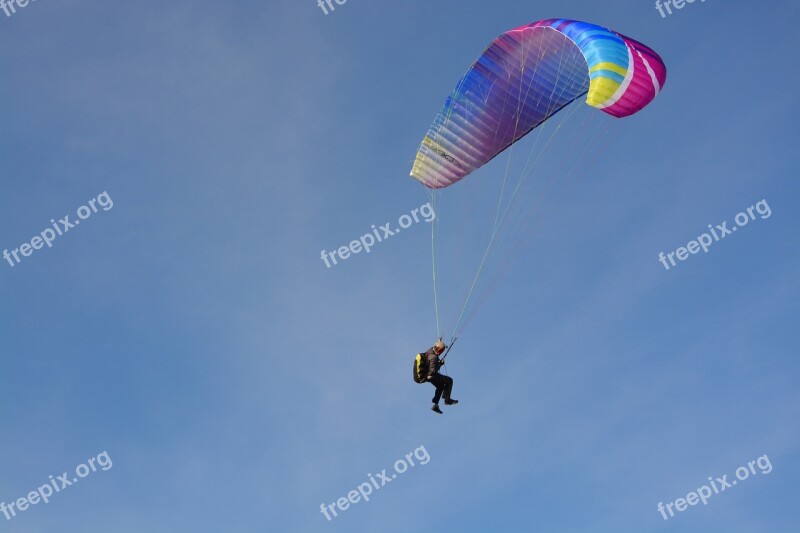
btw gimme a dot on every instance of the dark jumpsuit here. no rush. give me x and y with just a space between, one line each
443 384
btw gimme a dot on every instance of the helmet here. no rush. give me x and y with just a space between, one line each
439 347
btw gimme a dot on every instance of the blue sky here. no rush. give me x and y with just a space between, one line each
194 334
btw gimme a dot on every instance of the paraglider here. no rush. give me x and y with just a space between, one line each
426 370
520 81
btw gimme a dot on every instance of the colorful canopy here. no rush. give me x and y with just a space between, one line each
523 78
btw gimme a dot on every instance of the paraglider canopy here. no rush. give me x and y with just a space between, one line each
524 77
522 80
